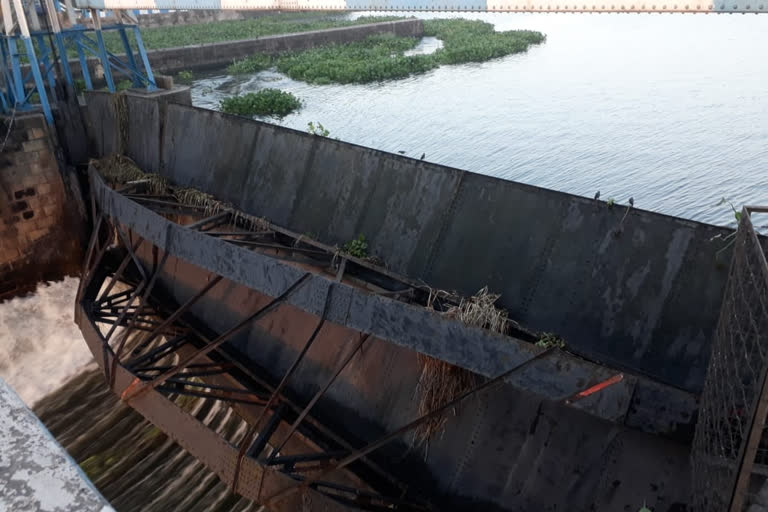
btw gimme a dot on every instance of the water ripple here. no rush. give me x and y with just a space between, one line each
669 109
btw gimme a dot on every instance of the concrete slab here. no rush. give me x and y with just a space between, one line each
36 474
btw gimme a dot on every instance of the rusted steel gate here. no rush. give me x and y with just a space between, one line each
155 352
728 447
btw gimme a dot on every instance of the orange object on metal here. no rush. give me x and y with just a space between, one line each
130 391
597 387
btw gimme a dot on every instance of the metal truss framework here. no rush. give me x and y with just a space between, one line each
174 359
152 353
34 61
153 350
352 299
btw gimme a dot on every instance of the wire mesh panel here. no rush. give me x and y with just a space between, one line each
732 411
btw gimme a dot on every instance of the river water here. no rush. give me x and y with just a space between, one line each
40 345
133 464
669 109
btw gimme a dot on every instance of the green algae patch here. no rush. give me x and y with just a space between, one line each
96 465
383 56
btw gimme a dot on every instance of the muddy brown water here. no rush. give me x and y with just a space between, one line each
134 465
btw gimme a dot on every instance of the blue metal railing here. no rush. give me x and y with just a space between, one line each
28 78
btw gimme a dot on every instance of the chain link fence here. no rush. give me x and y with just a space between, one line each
729 438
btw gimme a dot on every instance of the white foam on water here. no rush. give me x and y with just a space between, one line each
40 345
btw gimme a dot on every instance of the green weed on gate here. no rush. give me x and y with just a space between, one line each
266 102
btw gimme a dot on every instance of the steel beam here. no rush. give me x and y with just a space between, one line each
135 80
151 86
179 385
375 445
180 311
118 274
315 426
136 314
276 393
339 368
158 352
194 436
102 49
138 389
77 38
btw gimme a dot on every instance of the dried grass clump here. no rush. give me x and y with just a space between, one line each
196 198
119 170
249 222
441 382
480 311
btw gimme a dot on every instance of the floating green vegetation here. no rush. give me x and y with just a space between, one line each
185 77
279 23
379 57
477 41
251 64
266 102
382 56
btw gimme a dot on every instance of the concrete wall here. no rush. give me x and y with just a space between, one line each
219 55
38 235
643 295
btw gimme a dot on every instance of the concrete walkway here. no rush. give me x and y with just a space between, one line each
36 474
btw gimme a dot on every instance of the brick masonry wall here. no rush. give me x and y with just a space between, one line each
36 239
